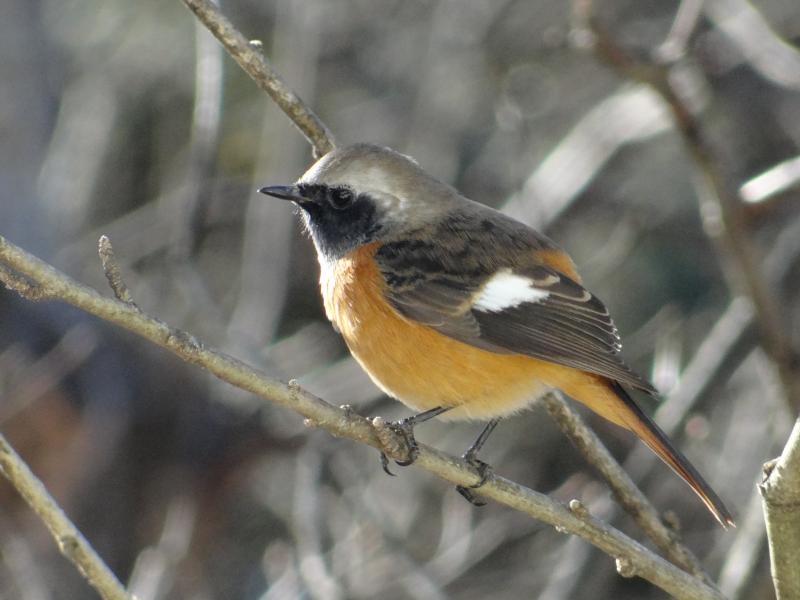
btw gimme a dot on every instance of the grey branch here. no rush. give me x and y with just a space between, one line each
632 558
627 494
780 492
249 58
70 541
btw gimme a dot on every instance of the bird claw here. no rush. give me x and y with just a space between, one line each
483 470
385 465
405 429
470 496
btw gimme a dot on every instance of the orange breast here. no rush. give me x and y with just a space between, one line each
423 368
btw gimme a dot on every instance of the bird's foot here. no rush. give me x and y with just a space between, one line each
483 470
405 429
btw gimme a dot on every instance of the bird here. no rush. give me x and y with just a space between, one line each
459 311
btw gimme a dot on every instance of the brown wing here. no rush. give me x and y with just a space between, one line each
569 326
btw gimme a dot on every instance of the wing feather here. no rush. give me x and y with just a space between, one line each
564 324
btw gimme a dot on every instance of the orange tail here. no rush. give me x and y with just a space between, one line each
651 434
608 399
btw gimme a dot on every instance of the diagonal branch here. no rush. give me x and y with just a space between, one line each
253 62
632 558
627 494
70 541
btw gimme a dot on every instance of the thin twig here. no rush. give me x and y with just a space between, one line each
633 558
780 491
627 494
255 64
70 541
189 209
112 271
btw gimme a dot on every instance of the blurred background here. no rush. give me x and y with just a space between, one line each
126 119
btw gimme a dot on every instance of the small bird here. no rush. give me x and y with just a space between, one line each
458 310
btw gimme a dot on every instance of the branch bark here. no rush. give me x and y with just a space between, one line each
69 540
780 493
632 558
247 54
624 489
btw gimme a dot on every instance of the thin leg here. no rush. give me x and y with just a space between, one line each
423 416
473 450
405 427
483 469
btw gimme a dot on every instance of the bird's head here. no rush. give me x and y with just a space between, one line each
360 194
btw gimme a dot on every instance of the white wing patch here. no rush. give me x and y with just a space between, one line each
507 290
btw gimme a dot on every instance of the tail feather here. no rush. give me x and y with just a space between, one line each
651 434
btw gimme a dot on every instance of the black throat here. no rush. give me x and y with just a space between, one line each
338 231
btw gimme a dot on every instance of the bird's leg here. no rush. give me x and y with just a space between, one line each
405 427
483 469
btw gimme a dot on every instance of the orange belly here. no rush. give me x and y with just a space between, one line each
423 368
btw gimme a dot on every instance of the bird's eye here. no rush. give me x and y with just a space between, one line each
341 197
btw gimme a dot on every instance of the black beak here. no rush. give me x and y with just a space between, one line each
284 192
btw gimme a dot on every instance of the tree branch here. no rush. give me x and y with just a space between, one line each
780 492
727 225
253 62
632 557
70 541
627 494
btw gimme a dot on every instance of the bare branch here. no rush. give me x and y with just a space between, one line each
627 494
766 52
726 225
683 28
635 558
70 541
780 491
255 64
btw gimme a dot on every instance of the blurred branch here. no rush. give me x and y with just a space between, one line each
632 558
744 554
70 541
51 368
629 115
725 219
684 26
155 569
249 58
780 179
769 55
627 494
188 213
780 491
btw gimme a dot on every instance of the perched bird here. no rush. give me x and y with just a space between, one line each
458 310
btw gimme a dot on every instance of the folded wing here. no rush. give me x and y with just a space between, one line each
533 310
